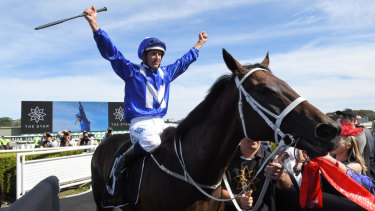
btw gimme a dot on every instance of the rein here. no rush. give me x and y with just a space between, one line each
186 177
274 126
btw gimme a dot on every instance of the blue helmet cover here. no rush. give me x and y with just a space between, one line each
150 42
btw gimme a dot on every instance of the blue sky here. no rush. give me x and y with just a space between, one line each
324 49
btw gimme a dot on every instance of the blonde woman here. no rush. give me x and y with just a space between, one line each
349 159
347 154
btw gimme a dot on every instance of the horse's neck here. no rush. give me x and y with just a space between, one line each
209 146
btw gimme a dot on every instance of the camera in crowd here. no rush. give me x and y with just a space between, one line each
65 133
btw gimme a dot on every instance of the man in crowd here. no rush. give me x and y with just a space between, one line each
371 137
371 143
84 139
65 137
50 142
107 134
1 143
5 143
241 171
36 141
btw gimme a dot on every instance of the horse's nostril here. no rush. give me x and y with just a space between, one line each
327 131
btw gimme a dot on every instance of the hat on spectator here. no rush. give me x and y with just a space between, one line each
349 130
346 112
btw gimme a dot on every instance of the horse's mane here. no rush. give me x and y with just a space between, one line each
200 112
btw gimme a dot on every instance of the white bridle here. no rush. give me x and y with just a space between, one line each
260 109
275 127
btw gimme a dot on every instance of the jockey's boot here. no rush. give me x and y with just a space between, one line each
123 162
113 196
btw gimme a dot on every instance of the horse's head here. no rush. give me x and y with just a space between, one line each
315 131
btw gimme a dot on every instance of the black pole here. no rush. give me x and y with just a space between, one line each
63 20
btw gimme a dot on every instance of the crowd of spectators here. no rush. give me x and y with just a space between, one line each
64 138
354 156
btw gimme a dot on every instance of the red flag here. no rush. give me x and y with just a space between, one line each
338 179
311 191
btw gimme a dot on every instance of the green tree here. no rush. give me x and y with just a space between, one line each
366 113
5 122
363 113
16 122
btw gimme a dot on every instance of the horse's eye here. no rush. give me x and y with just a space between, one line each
262 90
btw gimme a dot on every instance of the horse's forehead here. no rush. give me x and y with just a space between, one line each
261 75
266 78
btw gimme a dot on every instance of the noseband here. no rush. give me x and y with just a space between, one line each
260 109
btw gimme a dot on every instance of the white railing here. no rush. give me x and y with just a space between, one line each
70 170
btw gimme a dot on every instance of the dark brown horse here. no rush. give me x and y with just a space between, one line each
209 136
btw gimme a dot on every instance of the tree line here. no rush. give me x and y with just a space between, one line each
9 122
363 113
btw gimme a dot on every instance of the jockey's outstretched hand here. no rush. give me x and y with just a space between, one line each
202 40
91 17
203 37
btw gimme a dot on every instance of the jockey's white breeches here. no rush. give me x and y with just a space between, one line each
146 130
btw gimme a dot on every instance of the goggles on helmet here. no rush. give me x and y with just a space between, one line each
151 44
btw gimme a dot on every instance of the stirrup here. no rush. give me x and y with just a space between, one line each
113 177
116 172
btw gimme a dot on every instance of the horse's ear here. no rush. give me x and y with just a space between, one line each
266 61
232 64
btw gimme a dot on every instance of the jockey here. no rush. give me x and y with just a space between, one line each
147 86
82 119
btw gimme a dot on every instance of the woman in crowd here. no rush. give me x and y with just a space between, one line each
347 154
348 159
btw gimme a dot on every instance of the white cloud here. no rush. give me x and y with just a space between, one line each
172 10
184 99
349 61
348 13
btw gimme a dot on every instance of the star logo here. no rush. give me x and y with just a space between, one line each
37 114
244 179
119 113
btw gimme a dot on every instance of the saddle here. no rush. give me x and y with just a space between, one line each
125 187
